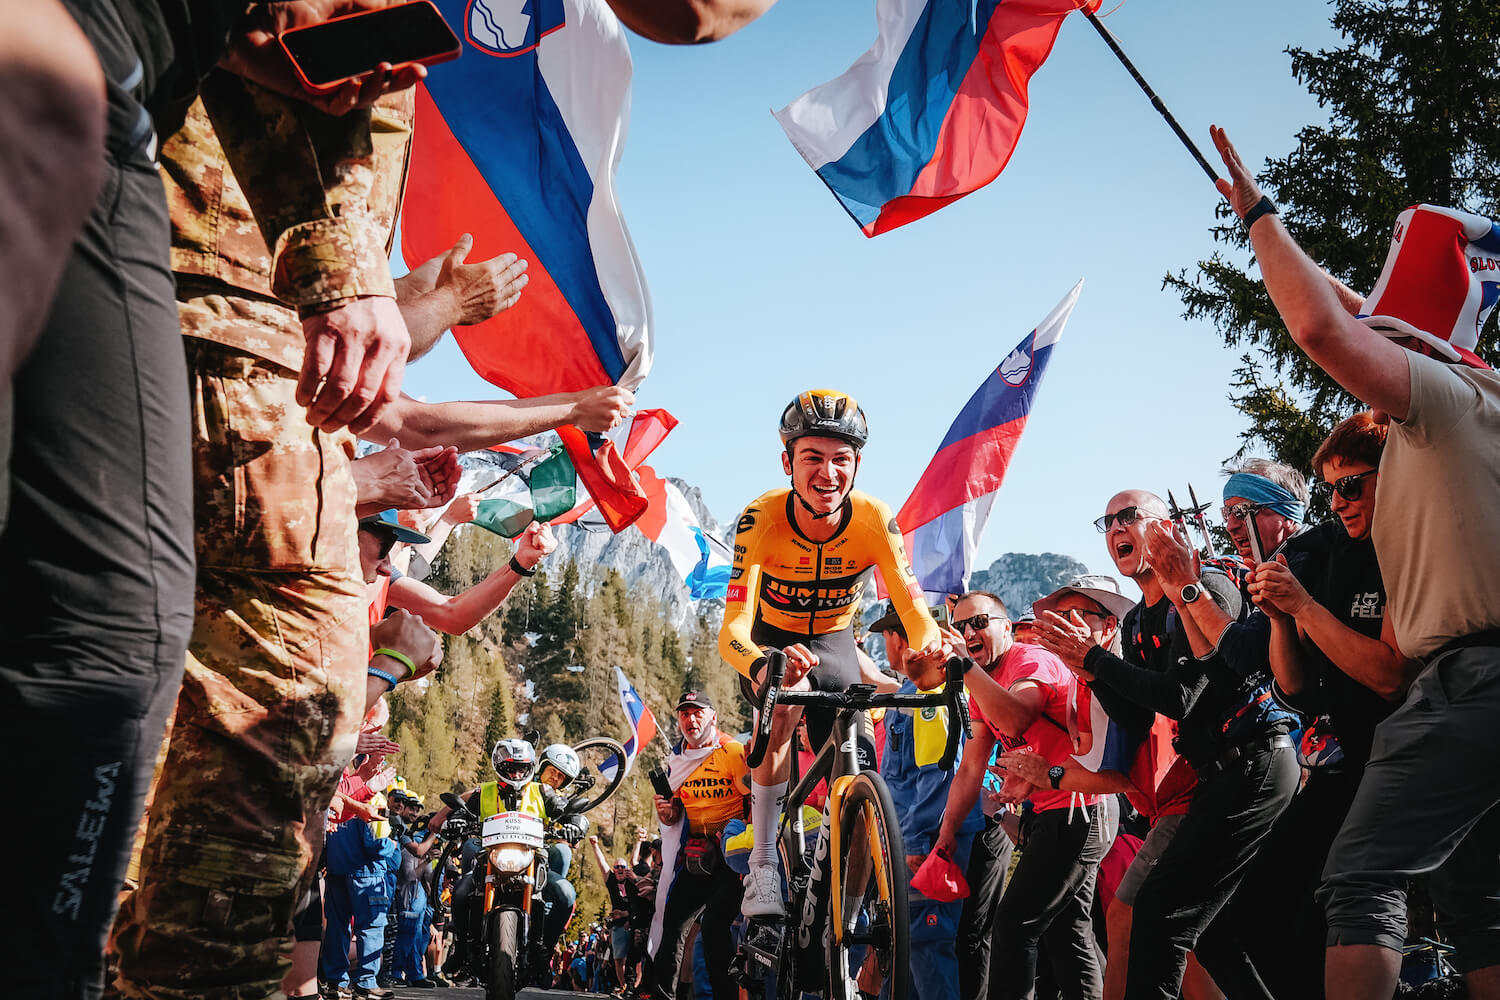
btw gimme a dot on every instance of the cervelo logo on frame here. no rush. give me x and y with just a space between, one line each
511 27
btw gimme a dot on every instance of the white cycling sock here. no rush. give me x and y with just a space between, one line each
765 814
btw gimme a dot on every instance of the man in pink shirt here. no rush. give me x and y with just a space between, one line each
1020 700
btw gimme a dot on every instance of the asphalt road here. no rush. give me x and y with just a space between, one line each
455 993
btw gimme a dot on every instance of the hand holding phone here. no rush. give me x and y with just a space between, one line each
659 782
332 53
257 55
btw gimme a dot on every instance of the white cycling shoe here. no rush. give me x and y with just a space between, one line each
763 892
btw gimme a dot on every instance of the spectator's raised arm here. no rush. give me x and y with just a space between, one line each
1316 313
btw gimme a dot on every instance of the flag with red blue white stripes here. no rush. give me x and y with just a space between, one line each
943 518
932 112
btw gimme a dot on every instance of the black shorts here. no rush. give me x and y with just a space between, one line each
837 669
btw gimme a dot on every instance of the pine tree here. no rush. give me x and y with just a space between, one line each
1412 98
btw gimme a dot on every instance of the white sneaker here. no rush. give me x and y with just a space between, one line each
763 892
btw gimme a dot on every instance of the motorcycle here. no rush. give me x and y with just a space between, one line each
512 866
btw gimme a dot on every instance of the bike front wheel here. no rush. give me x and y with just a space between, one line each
868 939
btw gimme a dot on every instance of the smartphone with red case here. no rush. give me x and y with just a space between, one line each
327 54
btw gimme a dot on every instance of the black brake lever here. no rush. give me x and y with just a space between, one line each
958 712
769 693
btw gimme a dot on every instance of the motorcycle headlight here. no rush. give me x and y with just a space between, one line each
510 859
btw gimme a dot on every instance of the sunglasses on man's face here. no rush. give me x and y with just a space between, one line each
1351 488
1240 511
1124 517
978 623
386 538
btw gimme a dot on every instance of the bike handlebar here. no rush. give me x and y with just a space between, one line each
858 698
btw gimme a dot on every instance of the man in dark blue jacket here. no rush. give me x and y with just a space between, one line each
356 896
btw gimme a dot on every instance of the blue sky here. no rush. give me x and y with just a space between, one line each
762 286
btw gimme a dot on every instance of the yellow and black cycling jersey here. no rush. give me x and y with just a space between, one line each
715 791
784 580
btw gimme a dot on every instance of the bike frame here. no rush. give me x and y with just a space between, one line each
837 761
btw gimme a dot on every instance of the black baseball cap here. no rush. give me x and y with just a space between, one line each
891 620
694 699
388 520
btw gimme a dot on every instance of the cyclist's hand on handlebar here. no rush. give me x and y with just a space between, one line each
799 660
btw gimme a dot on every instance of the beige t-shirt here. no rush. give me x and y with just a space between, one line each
1437 507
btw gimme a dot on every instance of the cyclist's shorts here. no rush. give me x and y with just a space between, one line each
837 669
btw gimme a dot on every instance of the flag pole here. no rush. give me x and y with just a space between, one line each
1156 102
511 472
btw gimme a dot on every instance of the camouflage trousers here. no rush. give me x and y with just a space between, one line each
272 696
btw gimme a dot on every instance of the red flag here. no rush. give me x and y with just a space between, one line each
648 429
610 482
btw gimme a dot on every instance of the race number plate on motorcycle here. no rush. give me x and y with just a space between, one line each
513 828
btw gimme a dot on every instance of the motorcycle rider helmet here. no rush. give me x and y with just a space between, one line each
561 758
514 761
824 413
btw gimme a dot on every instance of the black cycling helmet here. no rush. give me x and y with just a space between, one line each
824 413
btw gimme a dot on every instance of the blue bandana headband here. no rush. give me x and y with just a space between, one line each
1260 490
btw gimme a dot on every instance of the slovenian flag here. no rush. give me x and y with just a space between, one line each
944 516
932 112
517 142
702 561
642 722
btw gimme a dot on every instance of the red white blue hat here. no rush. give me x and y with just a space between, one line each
1440 281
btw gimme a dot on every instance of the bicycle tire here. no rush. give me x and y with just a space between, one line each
597 743
869 847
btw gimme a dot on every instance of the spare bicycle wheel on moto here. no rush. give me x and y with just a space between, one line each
868 926
602 763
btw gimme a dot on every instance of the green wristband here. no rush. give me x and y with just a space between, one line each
399 657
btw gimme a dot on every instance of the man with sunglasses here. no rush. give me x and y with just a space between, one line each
1020 699
1408 352
1228 728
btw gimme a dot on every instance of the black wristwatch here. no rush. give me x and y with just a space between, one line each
1191 593
1055 775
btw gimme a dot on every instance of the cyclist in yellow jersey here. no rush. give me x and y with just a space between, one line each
802 561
